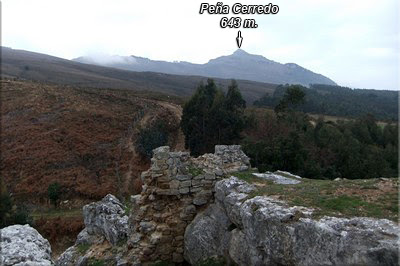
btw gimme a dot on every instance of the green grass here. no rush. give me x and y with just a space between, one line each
96 262
127 207
82 248
247 176
194 171
345 198
52 213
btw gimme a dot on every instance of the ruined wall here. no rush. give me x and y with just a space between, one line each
175 188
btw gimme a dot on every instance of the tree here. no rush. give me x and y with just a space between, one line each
195 118
54 193
234 99
210 117
294 95
10 213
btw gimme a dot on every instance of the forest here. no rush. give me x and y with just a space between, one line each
289 139
340 101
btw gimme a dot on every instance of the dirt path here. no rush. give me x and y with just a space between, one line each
151 109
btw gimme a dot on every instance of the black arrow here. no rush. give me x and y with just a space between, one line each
239 39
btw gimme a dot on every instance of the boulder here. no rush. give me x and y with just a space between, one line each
207 236
23 245
106 218
265 231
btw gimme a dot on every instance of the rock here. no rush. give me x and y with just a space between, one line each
161 153
266 231
69 257
202 197
23 245
85 238
146 227
284 173
207 235
107 218
277 178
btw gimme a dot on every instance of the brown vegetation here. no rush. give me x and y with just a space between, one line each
80 138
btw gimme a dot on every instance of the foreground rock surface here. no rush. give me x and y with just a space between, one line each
23 245
265 231
104 220
106 217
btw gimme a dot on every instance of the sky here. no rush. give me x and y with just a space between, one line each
355 43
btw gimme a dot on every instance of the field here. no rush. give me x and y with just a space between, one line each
376 198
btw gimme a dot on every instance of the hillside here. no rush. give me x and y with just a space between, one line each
82 138
49 69
239 65
341 101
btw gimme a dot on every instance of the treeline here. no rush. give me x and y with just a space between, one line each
289 140
323 150
340 101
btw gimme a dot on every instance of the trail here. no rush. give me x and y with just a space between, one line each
136 165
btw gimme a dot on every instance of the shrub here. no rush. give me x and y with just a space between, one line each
54 192
151 137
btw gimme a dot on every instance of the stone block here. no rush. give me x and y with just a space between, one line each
183 177
174 184
163 185
202 197
184 190
209 176
146 227
196 182
219 172
186 183
195 189
161 152
199 177
163 178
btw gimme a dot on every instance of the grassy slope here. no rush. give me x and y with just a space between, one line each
74 136
345 198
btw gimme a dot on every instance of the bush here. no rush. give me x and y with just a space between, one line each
150 138
54 193
11 214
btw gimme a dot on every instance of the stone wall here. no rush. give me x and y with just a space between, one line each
175 188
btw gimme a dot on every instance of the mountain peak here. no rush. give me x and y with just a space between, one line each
240 52
238 65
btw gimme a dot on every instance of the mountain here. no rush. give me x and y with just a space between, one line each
49 69
239 65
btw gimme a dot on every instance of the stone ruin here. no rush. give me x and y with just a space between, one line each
189 211
176 188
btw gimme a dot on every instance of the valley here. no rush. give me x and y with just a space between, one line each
90 130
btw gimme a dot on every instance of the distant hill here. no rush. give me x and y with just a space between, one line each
341 101
44 68
239 65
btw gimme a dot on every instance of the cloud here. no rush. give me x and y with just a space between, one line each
331 37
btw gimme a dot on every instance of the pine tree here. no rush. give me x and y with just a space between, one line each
210 118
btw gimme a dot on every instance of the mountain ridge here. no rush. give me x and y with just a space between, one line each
239 65
28 65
